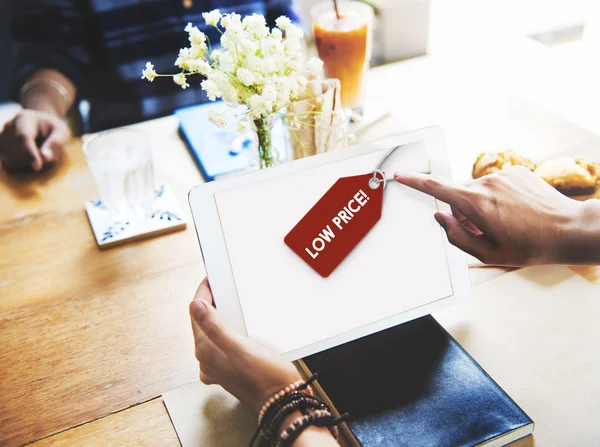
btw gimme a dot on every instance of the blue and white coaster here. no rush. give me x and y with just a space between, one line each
166 217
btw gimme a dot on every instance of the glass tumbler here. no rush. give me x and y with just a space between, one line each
344 46
121 162
327 134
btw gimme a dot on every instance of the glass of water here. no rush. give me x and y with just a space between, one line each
121 163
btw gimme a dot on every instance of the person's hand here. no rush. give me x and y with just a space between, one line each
31 140
510 218
249 371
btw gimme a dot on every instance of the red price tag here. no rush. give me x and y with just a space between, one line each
337 223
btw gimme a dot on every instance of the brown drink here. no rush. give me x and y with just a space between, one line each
343 46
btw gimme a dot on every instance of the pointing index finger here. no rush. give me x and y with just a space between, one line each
435 186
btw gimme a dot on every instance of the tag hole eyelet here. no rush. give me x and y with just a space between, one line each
374 183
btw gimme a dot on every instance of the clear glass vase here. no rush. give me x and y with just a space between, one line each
268 156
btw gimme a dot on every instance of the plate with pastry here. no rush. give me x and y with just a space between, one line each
576 177
491 162
573 176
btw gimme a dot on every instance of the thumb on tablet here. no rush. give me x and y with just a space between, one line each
213 326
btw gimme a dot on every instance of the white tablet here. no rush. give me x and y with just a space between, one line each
402 269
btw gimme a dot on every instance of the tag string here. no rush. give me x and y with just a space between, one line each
378 175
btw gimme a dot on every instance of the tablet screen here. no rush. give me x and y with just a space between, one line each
401 264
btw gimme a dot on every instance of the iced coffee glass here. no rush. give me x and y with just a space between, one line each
344 46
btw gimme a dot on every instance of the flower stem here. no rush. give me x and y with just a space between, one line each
265 152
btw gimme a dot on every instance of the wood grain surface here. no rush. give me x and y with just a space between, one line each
85 333
147 424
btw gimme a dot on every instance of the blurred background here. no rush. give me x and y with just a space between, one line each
563 32
5 53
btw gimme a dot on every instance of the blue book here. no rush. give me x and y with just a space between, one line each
220 152
414 385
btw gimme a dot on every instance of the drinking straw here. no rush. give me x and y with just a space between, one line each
337 11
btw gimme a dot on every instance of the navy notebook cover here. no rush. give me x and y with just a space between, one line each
222 151
414 385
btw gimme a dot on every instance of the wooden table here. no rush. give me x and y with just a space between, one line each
90 339
87 333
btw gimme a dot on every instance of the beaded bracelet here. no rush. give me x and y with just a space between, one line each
268 438
290 434
298 385
303 404
292 389
273 410
279 406
331 423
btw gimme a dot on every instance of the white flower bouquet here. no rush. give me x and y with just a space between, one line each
255 66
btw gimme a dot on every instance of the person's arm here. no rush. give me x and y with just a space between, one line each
249 371
50 66
48 90
514 218
580 243
48 40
